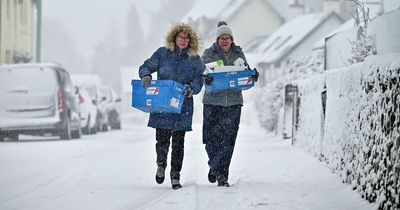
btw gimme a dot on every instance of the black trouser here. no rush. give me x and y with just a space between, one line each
163 137
220 128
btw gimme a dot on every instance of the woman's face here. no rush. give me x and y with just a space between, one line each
225 42
182 40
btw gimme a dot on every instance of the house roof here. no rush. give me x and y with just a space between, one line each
288 36
205 8
224 9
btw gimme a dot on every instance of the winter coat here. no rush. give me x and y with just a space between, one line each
229 97
184 67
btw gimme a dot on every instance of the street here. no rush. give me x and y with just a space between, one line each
115 170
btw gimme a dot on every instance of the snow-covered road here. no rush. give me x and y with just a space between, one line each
115 170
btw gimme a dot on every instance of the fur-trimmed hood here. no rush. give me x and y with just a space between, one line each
194 44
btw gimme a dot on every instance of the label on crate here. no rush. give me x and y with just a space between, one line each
244 81
152 91
232 73
148 102
179 89
232 83
174 102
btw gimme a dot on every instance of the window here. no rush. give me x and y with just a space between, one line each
28 77
8 10
8 58
23 10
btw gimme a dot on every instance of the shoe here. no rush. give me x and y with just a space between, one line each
223 184
160 174
211 176
175 184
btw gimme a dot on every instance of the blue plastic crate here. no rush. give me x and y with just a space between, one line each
241 80
162 96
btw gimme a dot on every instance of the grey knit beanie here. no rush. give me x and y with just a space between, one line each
222 28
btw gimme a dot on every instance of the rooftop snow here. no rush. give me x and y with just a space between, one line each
290 34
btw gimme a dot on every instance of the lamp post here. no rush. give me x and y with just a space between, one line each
39 30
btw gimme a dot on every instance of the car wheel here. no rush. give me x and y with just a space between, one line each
2 137
104 127
98 124
10 137
86 129
13 137
117 126
93 130
66 132
77 134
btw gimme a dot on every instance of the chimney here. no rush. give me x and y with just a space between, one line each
296 8
332 6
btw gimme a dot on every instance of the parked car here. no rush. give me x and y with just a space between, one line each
101 117
88 112
37 99
112 105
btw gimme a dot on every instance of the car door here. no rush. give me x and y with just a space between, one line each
71 98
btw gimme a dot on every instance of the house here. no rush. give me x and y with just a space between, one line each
294 39
337 45
390 5
248 19
17 30
385 38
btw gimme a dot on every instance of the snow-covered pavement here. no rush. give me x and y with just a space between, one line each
115 170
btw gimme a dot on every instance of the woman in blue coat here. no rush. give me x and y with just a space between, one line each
177 60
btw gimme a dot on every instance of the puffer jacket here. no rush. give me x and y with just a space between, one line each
184 67
229 97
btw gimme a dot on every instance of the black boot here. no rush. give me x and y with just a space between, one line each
222 180
175 184
211 176
223 184
160 174
175 177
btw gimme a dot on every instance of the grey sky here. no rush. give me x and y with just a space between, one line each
87 20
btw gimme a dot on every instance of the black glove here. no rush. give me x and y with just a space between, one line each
207 79
255 77
146 81
188 92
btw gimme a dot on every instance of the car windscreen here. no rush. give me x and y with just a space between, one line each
33 79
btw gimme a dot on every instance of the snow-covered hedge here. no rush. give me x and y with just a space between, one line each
309 131
359 134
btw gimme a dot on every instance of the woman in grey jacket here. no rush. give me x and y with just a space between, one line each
222 110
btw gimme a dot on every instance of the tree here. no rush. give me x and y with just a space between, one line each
139 46
135 45
364 45
170 12
106 60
